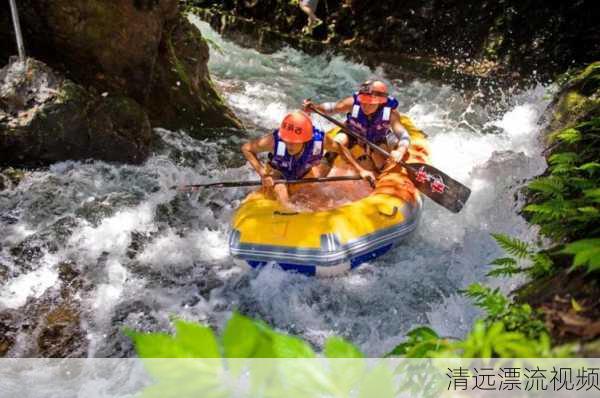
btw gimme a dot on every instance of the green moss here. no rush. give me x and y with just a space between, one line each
580 98
179 67
70 91
14 175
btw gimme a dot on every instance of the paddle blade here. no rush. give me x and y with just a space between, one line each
438 186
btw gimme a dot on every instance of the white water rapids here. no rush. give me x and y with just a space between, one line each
147 255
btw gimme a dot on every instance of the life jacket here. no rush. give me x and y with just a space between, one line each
374 129
292 167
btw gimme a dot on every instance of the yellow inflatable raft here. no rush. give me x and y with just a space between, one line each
330 242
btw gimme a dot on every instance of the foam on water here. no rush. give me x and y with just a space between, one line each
150 254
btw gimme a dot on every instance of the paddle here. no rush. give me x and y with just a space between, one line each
435 184
253 183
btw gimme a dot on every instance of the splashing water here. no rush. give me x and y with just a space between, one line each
143 253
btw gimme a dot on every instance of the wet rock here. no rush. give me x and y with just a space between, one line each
100 208
139 240
29 252
142 50
48 326
53 119
70 278
7 333
136 315
61 329
577 101
3 273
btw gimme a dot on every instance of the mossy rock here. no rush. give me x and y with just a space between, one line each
578 100
11 177
185 97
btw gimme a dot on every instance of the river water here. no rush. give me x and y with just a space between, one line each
143 254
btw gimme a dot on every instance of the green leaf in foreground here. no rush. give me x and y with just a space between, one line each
586 252
421 342
336 347
190 341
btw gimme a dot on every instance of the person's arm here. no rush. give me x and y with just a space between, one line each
332 146
251 149
330 108
397 153
283 196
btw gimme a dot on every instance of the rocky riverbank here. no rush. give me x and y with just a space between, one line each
568 295
506 41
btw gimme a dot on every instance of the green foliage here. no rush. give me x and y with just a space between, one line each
242 338
285 370
495 341
566 202
422 342
509 330
336 347
504 266
190 341
586 252
512 245
499 308
535 264
490 300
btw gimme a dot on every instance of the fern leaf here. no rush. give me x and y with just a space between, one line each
505 266
592 194
593 124
552 210
512 245
504 261
547 185
582 183
590 167
588 210
567 158
569 136
491 300
561 169
508 270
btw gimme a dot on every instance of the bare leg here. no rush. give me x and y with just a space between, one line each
312 18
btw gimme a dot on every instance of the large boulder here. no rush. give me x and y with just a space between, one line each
141 49
45 118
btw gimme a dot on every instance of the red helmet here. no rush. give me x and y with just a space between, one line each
296 128
373 92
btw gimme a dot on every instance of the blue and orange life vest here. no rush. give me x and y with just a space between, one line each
375 128
295 167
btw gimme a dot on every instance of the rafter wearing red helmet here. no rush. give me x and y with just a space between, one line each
373 113
295 151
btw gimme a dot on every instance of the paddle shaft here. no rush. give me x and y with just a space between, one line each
359 137
252 183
